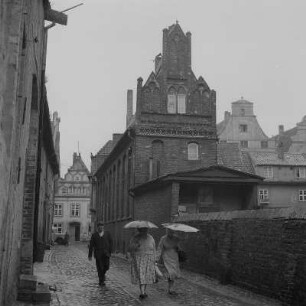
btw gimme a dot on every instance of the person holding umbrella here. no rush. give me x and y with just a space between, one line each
142 254
169 248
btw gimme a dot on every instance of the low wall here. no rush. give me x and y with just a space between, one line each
261 250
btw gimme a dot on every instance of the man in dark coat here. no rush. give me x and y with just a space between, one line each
101 242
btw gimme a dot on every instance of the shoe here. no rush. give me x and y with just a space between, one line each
172 293
101 284
143 296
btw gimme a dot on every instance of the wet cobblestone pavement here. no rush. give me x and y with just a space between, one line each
68 271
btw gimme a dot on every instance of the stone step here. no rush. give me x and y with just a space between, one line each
32 291
27 282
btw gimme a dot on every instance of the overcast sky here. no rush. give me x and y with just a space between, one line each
255 49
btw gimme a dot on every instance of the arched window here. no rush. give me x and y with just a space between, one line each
193 151
171 106
181 101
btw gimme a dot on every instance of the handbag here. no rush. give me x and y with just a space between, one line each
182 256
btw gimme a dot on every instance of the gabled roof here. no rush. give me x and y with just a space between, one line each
107 148
213 174
229 155
242 101
151 78
174 27
78 164
272 159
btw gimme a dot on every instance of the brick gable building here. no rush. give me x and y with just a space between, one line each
173 131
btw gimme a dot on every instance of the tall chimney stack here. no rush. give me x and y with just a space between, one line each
280 145
129 111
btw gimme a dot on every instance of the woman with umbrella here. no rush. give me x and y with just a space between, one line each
168 248
143 255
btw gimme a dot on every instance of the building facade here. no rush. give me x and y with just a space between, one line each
28 164
241 126
285 178
72 213
167 158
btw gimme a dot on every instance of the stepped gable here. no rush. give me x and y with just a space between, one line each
172 99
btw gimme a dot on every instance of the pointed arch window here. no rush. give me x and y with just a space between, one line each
181 101
193 151
176 101
171 101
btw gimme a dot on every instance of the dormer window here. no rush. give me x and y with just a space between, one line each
176 101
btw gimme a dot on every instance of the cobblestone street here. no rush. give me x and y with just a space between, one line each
74 279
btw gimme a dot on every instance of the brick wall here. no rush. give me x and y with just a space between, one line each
174 156
263 251
20 57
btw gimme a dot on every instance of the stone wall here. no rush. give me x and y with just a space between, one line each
263 250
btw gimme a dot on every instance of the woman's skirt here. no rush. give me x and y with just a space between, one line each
143 269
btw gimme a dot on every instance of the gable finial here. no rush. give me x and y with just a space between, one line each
177 22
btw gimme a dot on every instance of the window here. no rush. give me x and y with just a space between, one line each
302 195
242 112
64 190
243 128
244 144
264 144
75 210
181 101
176 101
268 172
58 210
301 172
263 195
193 149
58 228
171 101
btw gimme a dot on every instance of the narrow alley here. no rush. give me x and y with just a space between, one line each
74 281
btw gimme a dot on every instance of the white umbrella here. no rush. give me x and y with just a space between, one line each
180 227
140 224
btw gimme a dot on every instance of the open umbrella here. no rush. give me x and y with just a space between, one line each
180 227
139 224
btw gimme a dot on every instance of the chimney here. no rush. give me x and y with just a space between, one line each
226 115
116 138
129 110
280 145
74 157
281 130
158 60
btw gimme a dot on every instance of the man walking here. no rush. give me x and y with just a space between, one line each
101 242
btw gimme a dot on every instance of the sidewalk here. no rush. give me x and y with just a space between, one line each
74 279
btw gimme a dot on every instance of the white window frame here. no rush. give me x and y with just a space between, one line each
58 210
75 210
268 172
193 151
301 172
58 228
263 195
302 195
